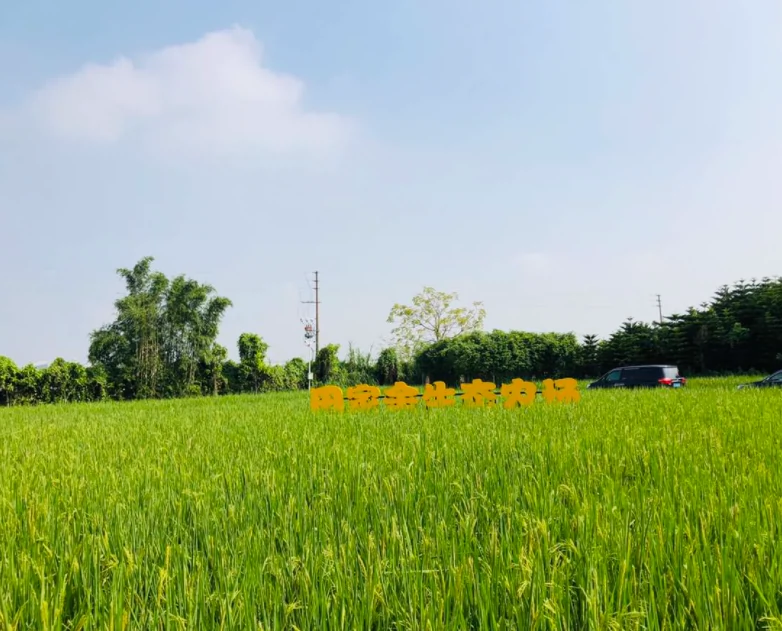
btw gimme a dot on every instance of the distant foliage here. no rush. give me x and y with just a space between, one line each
163 336
61 382
162 344
432 317
499 356
740 330
387 367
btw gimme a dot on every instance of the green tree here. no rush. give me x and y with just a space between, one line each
327 366
589 361
129 347
191 319
430 318
387 367
296 373
28 385
162 334
214 360
232 377
252 360
9 374
358 368
97 383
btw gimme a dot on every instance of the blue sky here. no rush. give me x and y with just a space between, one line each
562 162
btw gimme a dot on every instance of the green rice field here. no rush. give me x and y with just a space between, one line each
628 510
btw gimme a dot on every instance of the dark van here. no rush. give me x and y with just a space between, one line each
774 380
650 376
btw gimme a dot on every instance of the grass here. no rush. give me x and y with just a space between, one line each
628 510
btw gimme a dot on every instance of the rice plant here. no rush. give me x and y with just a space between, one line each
628 510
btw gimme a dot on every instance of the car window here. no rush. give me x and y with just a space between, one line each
671 372
644 374
614 375
630 375
776 377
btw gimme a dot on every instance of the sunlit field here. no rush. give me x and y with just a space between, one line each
629 510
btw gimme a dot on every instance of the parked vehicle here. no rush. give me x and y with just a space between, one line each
649 376
773 380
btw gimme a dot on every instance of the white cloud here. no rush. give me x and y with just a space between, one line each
211 96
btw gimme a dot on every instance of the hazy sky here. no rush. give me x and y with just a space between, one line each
561 161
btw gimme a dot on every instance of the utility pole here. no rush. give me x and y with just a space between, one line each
309 334
316 302
660 308
317 316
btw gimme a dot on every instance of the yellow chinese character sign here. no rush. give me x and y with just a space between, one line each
476 394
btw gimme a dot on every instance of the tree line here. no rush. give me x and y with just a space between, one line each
162 344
